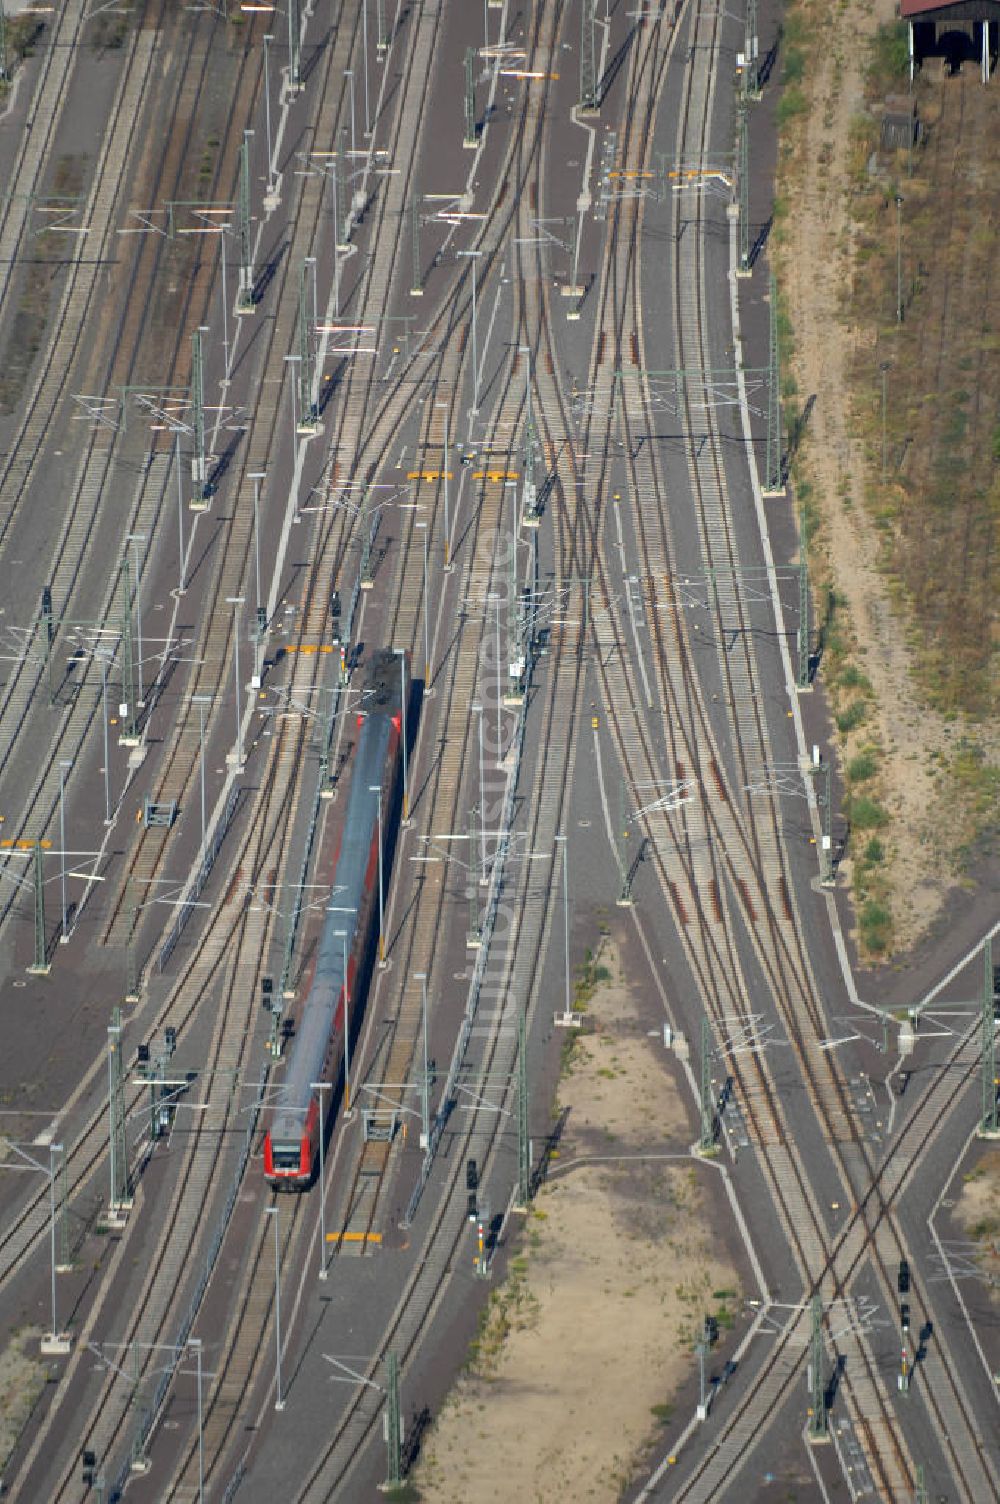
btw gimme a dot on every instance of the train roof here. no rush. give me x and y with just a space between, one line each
383 682
305 1062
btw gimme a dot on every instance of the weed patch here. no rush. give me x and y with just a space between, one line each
875 924
866 813
862 767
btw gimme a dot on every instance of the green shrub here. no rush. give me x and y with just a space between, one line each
851 718
796 30
867 814
876 925
874 851
890 51
861 767
795 66
851 677
793 103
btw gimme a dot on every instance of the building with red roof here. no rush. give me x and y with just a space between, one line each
955 29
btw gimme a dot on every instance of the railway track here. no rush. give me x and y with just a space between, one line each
81 587
241 1031
259 453
34 147
830 1090
717 892
251 992
224 973
445 1231
417 930
850 1252
81 719
786 965
85 271
799 997
325 1483
395 1059
841 1104
247 991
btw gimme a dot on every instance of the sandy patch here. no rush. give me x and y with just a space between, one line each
585 1343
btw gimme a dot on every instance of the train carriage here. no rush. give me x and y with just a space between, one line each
291 1141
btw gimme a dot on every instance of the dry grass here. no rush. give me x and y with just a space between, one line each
937 501
904 539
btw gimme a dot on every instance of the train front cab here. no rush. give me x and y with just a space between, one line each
287 1165
290 1164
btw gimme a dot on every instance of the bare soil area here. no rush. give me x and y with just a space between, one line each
905 750
589 1337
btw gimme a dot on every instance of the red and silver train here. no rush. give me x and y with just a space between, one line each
291 1142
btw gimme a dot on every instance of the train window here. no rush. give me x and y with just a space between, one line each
286 1156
